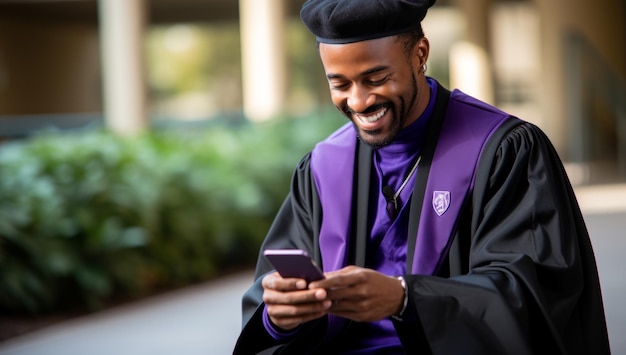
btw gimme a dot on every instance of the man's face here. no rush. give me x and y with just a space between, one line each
375 84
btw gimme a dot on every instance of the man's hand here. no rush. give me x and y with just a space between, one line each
362 295
290 303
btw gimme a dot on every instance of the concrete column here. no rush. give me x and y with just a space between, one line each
477 14
470 65
470 71
263 57
122 24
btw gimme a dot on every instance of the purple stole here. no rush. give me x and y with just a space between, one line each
467 126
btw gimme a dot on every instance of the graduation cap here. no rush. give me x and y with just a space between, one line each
346 21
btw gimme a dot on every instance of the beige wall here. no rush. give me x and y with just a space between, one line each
48 67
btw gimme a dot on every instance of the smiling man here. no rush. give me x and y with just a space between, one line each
377 84
443 225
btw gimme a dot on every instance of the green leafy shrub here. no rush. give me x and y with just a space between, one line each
88 216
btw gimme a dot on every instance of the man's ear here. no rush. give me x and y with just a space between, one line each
422 50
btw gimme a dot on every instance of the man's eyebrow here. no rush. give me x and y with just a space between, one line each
375 70
370 71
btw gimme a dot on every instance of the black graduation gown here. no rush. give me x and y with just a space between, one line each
520 276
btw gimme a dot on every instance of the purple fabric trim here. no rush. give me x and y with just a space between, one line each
332 164
272 331
468 125
335 158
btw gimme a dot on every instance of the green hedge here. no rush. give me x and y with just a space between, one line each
89 216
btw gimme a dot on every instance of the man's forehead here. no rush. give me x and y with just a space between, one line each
371 46
361 57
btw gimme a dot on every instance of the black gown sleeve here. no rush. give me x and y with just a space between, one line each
295 226
531 284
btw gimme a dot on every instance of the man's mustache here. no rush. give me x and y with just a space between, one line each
348 111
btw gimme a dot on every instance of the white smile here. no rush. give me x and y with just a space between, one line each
372 118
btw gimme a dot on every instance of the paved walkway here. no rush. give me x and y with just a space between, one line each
205 319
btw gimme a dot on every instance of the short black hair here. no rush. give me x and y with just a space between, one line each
410 39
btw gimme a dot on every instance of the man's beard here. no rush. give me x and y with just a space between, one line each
399 116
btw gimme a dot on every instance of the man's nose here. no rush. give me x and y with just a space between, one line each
360 99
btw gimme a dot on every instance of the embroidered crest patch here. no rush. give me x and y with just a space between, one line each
441 201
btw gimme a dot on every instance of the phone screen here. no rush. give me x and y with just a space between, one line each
294 263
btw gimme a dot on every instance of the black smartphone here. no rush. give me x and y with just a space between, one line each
294 263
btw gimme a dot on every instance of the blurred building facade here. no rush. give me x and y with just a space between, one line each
560 64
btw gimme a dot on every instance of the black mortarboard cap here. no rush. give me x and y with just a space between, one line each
346 21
